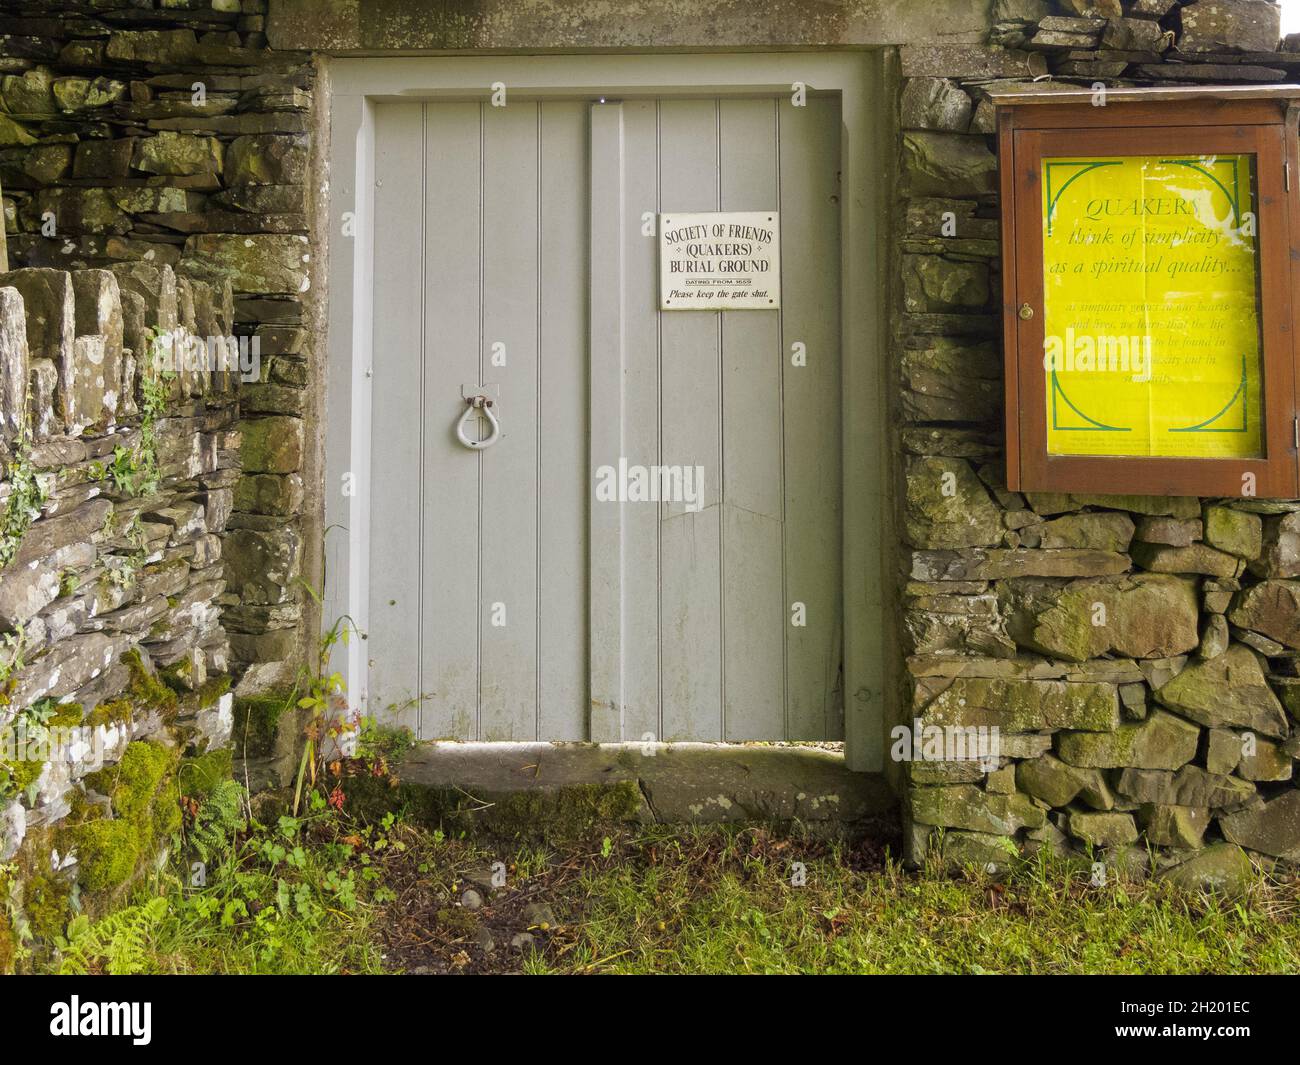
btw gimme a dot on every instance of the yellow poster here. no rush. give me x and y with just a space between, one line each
1150 306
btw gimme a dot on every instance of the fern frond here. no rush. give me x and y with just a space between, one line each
218 819
119 941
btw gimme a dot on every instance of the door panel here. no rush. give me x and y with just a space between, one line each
690 577
641 412
395 557
753 601
450 477
562 441
500 592
508 471
727 661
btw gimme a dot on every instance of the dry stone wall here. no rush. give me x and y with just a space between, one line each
119 480
166 134
1140 656
153 162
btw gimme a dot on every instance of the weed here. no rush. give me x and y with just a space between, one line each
27 494
13 646
135 471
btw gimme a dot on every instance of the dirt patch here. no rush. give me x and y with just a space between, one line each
468 907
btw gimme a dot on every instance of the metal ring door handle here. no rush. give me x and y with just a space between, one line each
472 404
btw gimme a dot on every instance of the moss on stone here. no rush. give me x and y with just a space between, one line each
179 677
576 811
198 776
1162 741
134 781
111 840
142 791
81 809
47 902
1145 615
566 813
145 689
107 853
17 777
1236 531
965 806
44 896
212 690
8 945
1103 829
947 506
257 722
67 715
115 712
1018 705
1068 630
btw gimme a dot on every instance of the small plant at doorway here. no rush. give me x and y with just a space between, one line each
331 728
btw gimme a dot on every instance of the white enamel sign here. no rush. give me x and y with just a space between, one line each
726 260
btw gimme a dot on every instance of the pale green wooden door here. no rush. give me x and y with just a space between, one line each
516 257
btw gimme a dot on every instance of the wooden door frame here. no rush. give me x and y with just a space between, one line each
358 85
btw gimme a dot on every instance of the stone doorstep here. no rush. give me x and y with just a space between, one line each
681 783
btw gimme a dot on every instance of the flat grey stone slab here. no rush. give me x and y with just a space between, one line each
680 783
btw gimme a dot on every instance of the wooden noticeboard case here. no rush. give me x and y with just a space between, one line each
1161 224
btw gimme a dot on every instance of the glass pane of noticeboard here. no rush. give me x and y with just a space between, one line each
1151 341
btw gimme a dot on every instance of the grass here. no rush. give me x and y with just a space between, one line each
708 902
326 893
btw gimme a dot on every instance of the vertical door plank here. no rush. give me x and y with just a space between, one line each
508 585
563 410
753 611
394 553
691 600
449 653
810 151
641 420
606 400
